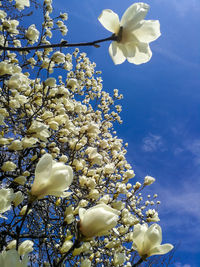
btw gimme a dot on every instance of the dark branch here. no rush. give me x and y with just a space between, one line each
62 44
137 263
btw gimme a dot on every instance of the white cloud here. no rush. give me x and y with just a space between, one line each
194 147
179 264
174 57
152 143
183 6
180 214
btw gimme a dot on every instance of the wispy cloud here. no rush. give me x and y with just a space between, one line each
174 57
179 264
152 143
180 214
184 6
194 147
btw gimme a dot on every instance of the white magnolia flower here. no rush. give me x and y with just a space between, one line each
29 142
119 259
6 197
66 246
11 26
12 258
147 241
39 130
18 198
9 166
50 82
152 215
98 220
5 68
148 180
133 34
25 247
51 178
11 245
20 4
20 180
86 263
2 122
58 57
32 34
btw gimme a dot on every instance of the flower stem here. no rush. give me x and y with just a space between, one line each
137 263
62 44
18 229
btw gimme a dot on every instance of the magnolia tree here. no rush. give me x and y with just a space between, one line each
68 195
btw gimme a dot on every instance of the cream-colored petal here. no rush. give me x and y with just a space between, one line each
44 167
116 53
138 236
134 14
142 54
153 237
148 32
109 20
160 250
59 182
129 50
82 211
61 175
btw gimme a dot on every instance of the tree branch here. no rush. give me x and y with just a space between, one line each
62 44
137 263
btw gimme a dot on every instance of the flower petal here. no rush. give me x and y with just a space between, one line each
148 32
153 237
116 52
58 181
138 236
82 211
109 20
134 14
142 54
160 250
44 167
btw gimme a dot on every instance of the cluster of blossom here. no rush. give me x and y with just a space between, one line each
67 192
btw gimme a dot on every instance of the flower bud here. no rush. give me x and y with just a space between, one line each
25 247
66 246
11 245
51 178
18 198
148 180
98 220
147 240
9 166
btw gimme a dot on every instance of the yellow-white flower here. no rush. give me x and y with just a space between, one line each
51 178
18 198
32 34
133 34
6 197
25 247
20 4
147 241
98 220
148 180
12 258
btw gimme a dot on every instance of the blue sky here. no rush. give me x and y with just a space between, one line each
161 109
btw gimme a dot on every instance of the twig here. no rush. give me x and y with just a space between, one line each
62 44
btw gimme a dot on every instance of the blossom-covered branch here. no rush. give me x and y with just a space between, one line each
68 194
